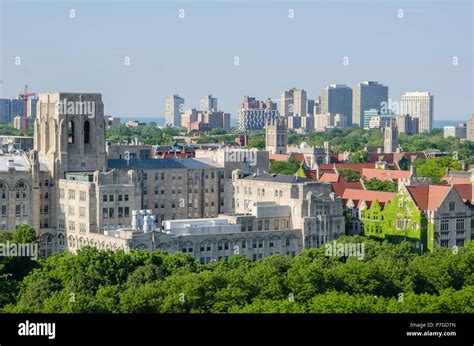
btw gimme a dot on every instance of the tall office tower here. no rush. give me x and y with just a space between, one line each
276 133
367 95
208 103
294 103
310 108
317 106
407 124
5 110
337 99
300 103
470 129
286 103
390 143
419 104
32 108
16 108
174 107
253 113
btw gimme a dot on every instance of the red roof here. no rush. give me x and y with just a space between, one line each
278 157
428 197
329 177
297 156
465 191
329 167
384 174
341 185
358 196
456 180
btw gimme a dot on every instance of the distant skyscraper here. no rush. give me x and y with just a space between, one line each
276 135
253 114
419 104
208 103
470 129
294 103
337 99
310 107
16 108
407 124
32 108
300 103
365 96
174 107
5 110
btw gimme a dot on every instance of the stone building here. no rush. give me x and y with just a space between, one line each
74 195
276 132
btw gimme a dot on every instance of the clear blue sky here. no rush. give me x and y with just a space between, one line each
194 56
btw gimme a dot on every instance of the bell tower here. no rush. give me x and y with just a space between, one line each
70 132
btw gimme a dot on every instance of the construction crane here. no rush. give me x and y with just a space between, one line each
25 96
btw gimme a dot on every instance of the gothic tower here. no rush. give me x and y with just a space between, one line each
390 143
70 132
276 133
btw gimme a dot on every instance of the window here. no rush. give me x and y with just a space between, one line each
4 210
125 198
17 210
70 132
111 212
259 225
277 224
82 228
127 211
288 241
452 206
111 198
72 226
145 176
267 225
444 225
82 196
82 212
242 226
156 176
120 198
105 213
459 224
243 244
87 130
104 198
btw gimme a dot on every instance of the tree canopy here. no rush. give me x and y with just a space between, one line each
391 278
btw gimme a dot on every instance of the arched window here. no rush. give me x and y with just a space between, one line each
70 132
20 190
3 191
61 240
87 129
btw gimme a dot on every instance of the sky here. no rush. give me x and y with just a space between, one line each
136 53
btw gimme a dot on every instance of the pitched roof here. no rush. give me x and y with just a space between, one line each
278 157
159 164
428 197
456 180
368 196
465 191
341 185
384 174
329 167
329 177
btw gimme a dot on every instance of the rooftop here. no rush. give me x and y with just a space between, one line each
277 178
159 164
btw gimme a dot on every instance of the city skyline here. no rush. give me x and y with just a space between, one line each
177 62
